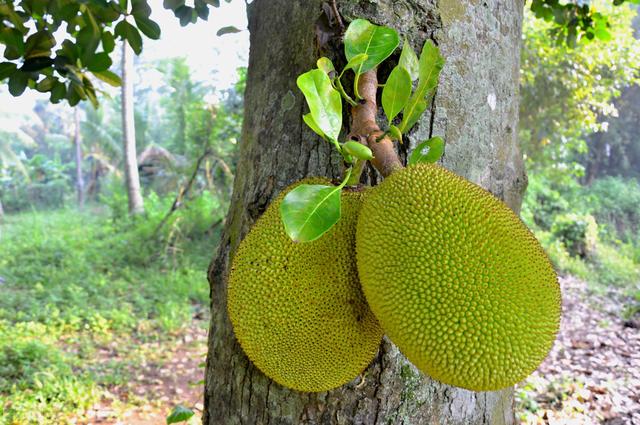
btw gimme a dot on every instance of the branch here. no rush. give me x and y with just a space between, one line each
336 15
365 128
183 191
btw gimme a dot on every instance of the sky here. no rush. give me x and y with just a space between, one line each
213 59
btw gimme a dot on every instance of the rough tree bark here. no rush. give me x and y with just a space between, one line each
132 179
476 112
78 149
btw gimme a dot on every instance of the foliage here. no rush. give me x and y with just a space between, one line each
40 379
616 152
84 41
45 185
568 92
564 215
578 233
574 22
211 120
614 268
67 282
179 414
615 203
310 211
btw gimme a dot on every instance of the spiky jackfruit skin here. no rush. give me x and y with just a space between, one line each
456 280
297 309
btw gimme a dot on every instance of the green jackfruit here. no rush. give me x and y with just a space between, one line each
456 280
297 309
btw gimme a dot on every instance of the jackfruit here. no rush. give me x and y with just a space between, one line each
297 309
456 280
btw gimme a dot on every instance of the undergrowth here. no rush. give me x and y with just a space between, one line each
72 282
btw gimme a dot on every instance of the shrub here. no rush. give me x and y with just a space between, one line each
562 261
37 381
578 233
542 203
613 268
615 202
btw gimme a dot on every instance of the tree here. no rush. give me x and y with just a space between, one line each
567 93
64 65
77 142
475 109
132 178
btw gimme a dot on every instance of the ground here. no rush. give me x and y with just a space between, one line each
98 327
170 375
592 375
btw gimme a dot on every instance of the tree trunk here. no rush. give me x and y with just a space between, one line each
129 134
476 111
78 146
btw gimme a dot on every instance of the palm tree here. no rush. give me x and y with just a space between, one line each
134 193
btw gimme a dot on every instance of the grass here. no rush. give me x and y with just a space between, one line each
73 283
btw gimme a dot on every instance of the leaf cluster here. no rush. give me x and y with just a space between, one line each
309 211
576 21
61 46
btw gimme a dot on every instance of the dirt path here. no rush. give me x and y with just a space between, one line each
592 375
172 375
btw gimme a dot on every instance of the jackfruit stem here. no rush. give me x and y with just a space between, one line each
365 128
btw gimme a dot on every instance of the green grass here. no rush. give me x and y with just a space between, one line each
73 282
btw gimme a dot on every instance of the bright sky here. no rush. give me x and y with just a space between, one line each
213 59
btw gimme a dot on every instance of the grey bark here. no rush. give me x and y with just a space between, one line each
476 110
132 179
78 153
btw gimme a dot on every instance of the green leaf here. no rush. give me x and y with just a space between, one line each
228 30
429 151
308 119
6 69
409 60
431 63
36 64
186 15
376 41
89 36
128 32
148 27
179 414
412 113
17 83
39 44
358 150
202 9
396 92
90 91
75 93
46 84
324 101
395 133
140 8
109 78
356 61
14 42
309 211
108 42
58 92
326 65
99 62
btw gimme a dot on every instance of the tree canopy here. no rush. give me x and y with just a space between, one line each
60 46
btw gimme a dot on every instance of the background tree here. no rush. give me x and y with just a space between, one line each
476 112
567 92
132 178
